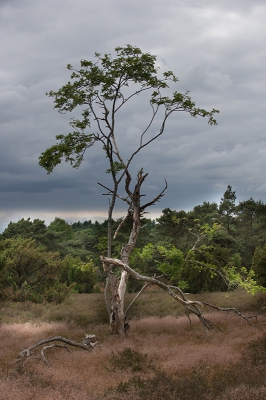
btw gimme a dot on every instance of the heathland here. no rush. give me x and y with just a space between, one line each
164 356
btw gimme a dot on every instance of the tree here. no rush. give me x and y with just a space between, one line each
250 228
61 227
29 272
101 89
206 213
173 228
79 274
259 264
26 228
104 87
227 208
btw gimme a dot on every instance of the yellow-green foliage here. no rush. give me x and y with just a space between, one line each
79 273
29 272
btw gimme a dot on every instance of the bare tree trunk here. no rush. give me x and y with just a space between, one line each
115 291
112 301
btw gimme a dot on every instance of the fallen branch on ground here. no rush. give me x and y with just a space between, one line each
87 343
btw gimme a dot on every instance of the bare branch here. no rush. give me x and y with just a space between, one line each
182 294
120 225
87 343
191 306
154 112
157 198
44 359
136 93
106 297
110 191
233 309
135 298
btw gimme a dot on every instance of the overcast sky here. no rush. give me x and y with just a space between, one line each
217 50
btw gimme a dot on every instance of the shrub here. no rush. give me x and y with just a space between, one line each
132 360
27 270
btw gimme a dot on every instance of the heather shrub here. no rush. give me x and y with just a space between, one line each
243 392
200 382
131 359
135 384
255 354
162 386
162 357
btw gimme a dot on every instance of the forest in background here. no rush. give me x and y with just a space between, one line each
39 262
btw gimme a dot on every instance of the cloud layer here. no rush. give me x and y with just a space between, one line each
217 49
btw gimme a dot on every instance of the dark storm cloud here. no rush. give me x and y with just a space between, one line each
217 49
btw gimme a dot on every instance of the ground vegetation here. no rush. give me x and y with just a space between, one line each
161 247
164 356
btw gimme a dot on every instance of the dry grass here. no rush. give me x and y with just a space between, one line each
163 358
84 309
81 309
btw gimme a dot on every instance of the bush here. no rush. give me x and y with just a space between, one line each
29 272
132 360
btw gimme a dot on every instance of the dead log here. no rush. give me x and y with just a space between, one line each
88 342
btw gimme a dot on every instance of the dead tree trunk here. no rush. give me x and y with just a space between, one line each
113 301
115 289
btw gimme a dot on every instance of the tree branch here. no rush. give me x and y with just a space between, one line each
135 298
192 306
87 343
157 198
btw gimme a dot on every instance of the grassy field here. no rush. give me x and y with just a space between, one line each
162 358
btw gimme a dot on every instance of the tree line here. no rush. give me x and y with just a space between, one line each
39 262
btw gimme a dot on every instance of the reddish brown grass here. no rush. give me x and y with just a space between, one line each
163 358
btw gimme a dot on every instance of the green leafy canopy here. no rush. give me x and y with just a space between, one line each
101 88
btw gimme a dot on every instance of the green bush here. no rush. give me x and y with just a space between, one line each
28 271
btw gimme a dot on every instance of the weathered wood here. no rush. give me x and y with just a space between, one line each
115 290
87 343
191 306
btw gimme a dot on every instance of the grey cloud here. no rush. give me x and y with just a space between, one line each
215 48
